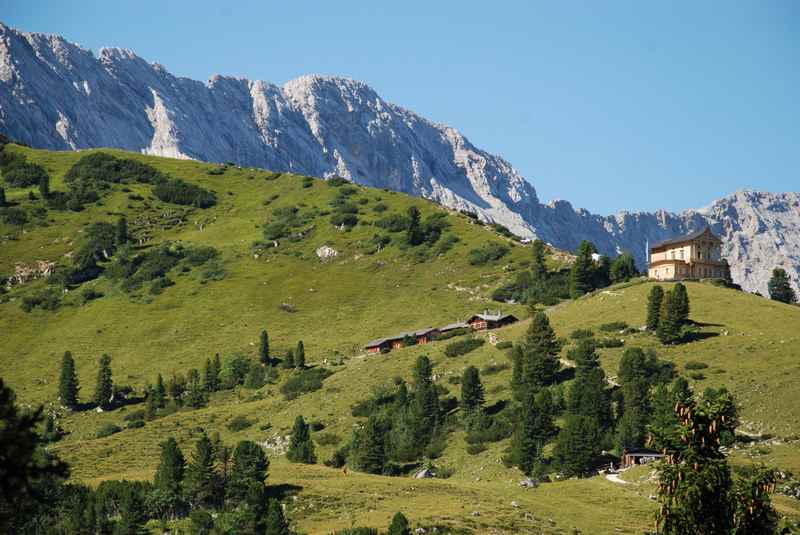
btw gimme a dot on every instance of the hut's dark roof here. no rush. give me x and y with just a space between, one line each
681 239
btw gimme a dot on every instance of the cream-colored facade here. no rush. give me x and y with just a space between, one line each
695 256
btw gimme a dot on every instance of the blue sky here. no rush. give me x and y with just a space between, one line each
611 105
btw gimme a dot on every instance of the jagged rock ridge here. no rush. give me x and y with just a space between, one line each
57 95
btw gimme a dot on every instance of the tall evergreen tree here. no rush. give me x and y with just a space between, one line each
201 477
210 378
654 299
263 348
632 426
160 392
578 444
44 185
369 448
68 382
536 362
780 288
681 297
216 366
601 272
535 428
195 393
399 525
168 480
151 407
538 266
300 356
669 321
104 388
3 201
288 360
472 392
132 514
623 268
121 231
581 273
301 447
249 466
425 401
414 234
276 523
589 395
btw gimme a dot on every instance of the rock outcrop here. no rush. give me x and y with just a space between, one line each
57 95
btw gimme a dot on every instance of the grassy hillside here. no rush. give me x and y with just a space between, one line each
747 343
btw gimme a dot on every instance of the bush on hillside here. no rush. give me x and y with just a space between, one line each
614 326
46 300
695 365
306 381
462 347
490 252
238 423
609 342
107 430
579 334
177 191
22 174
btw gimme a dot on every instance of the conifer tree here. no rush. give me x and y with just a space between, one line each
535 428
121 231
472 392
300 356
263 348
654 299
589 395
3 201
44 185
537 359
201 477
425 402
669 323
104 388
195 393
623 268
414 234
68 382
578 444
601 272
288 360
151 407
249 466
169 476
216 366
681 298
780 288
275 522
160 392
581 273
370 447
301 447
399 525
538 266
210 378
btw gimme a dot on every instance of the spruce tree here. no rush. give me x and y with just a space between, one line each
681 299
581 274
588 395
210 377
301 447
68 382
654 299
669 324
369 453
537 359
263 348
104 388
632 426
275 522
195 393
151 407
425 402
578 444
160 392
399 525
121 231
3 201
300 356
288 360
534 429
201 477
601 272
44 185
623 268
538 266
169 476
414 234
216 366
249 466
472 392
780 288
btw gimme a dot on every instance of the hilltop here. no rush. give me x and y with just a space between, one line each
335 304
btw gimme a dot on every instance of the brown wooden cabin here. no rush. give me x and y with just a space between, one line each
422 337
634 456
490 320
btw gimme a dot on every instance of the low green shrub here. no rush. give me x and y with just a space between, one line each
614 326
695 365
238 423
610 342
579 334
107 430
462 347
306 381
505 344
48 299
490 252
697 376
491 369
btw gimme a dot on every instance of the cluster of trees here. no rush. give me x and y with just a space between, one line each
402 426
668 313
780 287
587 274
20 173
537 284
425 236
177 191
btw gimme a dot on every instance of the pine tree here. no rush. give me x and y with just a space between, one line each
44 185
275 522
3 201
632 426
535 428
132 514
249 466
104 388
121 231
578 444
601 272
538 266
201 477
537 359
301 447
176 387
160 392
425 402
414 234
369 453
210 378
216 366
669 324
780 288
399 525
472 392
151 407
589 395
623 268
581 273
169 476
195 393
681 299
263 348
68 382
288 360
654 299
300 356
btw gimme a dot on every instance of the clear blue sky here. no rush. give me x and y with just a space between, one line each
611 105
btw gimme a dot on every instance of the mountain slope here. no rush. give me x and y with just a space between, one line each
58 95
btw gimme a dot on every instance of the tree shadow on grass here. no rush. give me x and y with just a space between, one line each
283 490
565 374
703 324
697 336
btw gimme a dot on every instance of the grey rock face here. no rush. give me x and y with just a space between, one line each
57 95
